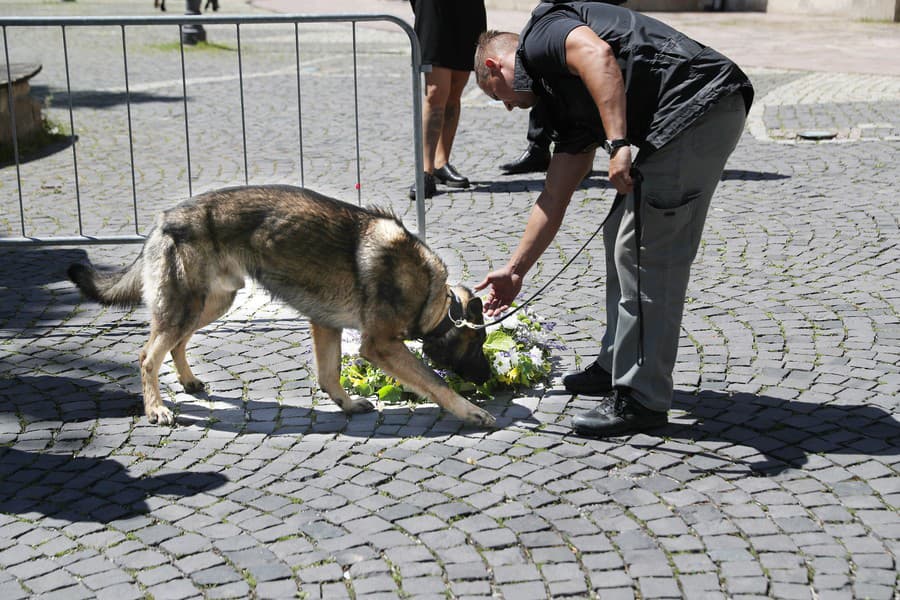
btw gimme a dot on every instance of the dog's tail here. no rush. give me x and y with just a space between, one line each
122 288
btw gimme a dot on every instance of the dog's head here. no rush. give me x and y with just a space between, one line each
460 348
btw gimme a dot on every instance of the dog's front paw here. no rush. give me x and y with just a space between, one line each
193 386
358 404
160 415
479 417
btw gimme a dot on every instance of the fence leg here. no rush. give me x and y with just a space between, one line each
192 33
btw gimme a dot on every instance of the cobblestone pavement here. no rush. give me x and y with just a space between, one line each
777 476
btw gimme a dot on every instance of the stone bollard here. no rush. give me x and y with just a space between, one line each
25 108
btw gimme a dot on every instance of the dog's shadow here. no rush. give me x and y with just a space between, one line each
392 419
746 433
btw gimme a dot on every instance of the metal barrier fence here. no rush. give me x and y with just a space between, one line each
124 25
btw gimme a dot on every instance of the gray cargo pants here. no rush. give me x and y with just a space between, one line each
679 181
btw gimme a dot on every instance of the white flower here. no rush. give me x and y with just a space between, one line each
502 363
514 357
350 341
537 356
510 324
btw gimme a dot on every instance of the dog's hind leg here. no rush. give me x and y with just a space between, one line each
216 305
152 356
186 377
327 345
395 359
168 327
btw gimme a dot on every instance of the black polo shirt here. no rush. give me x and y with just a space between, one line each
670 79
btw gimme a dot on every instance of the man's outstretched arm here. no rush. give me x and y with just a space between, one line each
564 175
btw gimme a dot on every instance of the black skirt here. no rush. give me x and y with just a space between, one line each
448 31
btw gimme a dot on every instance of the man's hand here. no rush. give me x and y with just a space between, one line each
620 170
505 286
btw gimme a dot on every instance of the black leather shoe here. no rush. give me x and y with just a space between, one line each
534 160
451 177
593 381
430 188
626 415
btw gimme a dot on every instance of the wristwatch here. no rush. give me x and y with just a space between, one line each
612 146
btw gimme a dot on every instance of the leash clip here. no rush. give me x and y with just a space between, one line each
462 322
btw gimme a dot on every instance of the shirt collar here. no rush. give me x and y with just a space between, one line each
522 81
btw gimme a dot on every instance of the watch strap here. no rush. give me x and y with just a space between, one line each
613 145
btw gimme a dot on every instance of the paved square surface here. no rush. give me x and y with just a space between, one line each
776 477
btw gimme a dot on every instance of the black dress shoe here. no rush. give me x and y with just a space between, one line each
625 415
430 188
451 177
593 381
534 160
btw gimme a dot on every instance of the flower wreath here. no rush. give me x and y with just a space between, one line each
518 350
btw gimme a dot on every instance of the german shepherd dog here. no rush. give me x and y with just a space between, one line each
340 265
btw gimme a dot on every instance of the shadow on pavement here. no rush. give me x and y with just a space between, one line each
61 398
742 175
64 399
32 267
60 99
32 296
786 433
78 489
762 435
751 432
534 182
393 421
28 154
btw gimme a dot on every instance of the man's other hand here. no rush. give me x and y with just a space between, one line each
620 171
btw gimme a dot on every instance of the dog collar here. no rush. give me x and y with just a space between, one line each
449 321
442 326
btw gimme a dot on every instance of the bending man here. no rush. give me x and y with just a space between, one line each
615 78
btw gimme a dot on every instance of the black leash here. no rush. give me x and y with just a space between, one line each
463 323
617 201
637 259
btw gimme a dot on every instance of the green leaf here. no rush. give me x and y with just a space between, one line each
499 341
390 393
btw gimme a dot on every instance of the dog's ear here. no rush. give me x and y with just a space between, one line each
475 310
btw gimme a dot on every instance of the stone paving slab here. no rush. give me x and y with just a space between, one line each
776 477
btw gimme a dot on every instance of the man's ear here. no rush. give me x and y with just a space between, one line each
492 64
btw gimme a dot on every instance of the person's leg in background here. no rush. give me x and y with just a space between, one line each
446 173
434 107
447 33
